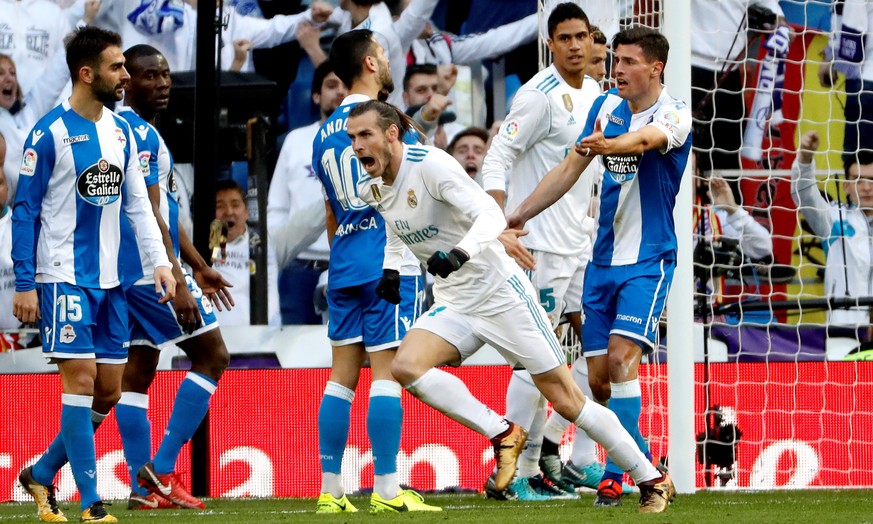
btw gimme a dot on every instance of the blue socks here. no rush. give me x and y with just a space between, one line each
384 421
192 403
54 458
626 403
78 435
333 426
136 431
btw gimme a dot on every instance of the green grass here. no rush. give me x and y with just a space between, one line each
807 507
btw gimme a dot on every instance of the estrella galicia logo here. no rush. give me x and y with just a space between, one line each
100 184
622 168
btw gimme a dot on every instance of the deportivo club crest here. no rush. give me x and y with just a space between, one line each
410 198
376 193
568 102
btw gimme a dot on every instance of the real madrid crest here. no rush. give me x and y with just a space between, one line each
410 198
374 190
568 102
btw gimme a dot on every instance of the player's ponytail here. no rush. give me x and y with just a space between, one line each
386 115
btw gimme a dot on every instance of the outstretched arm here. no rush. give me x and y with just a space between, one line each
552 187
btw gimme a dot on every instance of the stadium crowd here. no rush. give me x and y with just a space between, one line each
538 146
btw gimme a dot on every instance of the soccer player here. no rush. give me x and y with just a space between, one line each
642 136
80 171
548 112
361 324
190 323
480 295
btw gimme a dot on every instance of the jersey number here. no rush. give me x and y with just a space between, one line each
69 308
342 177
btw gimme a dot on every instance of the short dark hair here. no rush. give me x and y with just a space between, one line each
83 50
418 69
321 72
862 157
138 51
476 131
348 52
654 45
564 12
230 184
597 35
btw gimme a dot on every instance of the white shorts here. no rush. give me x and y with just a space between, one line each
519 330
558 280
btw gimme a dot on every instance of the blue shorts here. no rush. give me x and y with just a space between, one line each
356 314
79 322
624 300
153 324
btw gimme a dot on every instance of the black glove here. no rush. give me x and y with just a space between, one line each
388 288
443 264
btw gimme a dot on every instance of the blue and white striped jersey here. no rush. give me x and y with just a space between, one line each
156 163
358 246
76 178
639 191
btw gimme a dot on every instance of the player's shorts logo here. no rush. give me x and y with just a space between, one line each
68 334
100 184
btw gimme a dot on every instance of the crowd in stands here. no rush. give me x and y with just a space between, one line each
442 60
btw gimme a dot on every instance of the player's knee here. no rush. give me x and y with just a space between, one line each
600 389
80 384
404 370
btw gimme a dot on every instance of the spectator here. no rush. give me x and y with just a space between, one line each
428 104
844 229
172 28
718 61
717 216
33 32
469 147
855 57
395 37
236 264
20 110
7 274
295 208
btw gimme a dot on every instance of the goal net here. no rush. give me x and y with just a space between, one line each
782 372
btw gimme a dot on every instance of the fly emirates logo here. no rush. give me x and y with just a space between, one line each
411 236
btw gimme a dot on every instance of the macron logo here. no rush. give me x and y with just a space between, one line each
37 134
142 131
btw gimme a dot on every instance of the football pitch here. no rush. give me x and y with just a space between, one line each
814 507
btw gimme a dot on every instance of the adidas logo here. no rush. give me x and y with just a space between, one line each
572 121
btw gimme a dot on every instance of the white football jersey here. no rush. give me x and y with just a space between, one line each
433 205
546 118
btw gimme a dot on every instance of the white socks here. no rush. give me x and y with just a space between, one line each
332 483
386 486
448 394
603 426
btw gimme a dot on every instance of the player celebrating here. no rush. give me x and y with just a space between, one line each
79 172
641 134
481 295
360 323
190 323
549 112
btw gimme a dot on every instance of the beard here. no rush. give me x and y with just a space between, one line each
105 92
386 81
